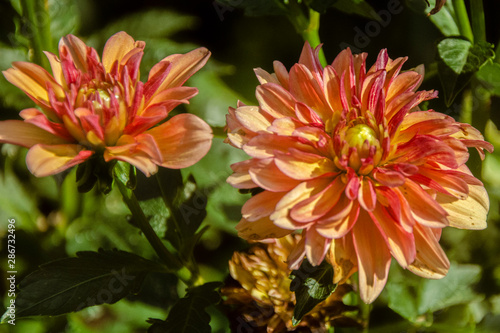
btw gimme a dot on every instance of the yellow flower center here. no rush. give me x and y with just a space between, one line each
97 93
357 135
105 99
361 137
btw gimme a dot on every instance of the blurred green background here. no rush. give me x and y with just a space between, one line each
54 221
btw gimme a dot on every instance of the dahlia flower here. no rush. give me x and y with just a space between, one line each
263 300
90 107
344 155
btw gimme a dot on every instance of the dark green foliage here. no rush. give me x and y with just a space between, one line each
458 60
72 284
188 315
312 285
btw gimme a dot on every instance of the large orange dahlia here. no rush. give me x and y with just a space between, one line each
344 155
88 107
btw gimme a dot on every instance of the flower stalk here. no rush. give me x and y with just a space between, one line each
191 268
478 22
142 222
36 16
307 27
311 34
463 19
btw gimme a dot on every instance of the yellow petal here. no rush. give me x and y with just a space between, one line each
27 135
260 229
57 70
431 261
183 66
33 80
117 49
342 257
470 213
252 118
46 160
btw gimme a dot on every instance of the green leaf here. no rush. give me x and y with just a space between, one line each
312 285
149 24
175 209
214 97
17 199
402 290
158 289
64 18
157 213
188 315
402 299
489 75
444 20
10 95
458 60
453 289
413 297
71 284
454 52
357 7
188 205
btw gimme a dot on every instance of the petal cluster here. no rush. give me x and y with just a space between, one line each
263 301
88 106
344 155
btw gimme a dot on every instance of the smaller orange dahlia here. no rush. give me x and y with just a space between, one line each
88 107
344 155
263 302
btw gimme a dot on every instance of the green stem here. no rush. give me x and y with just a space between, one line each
478 22
219 132
142 222
311 34
191 269
365 315
463 19
37 19
481 101
364 308
308 28
497 53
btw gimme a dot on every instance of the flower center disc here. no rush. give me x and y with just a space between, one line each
362 137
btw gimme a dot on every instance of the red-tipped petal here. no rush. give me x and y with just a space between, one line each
318 204
302 166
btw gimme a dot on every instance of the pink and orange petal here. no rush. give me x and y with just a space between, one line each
89 106
345 157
